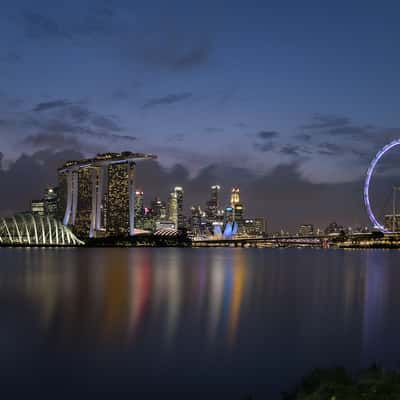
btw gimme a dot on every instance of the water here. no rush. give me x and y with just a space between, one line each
211 323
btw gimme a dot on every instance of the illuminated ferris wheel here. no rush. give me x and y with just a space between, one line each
376 223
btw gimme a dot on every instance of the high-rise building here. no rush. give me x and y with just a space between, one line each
139 209
120 180
235 196
173 208
332 228
159 209
261 226
37 207
179 201
51 201
238 212
214 203
84 202
306 230
197 221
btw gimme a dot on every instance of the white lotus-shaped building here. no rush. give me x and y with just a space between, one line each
34 229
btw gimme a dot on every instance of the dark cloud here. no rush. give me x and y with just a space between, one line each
321 121
265 147
267 135
61 122
330 149
27 177
48 105
167 100
52 140
267 141
290 150
241 125
334 125
303 137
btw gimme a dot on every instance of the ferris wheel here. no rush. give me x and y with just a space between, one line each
376 223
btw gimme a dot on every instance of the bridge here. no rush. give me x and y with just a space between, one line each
271 241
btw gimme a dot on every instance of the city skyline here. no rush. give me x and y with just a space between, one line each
281 101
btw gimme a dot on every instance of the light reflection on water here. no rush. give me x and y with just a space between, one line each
255 318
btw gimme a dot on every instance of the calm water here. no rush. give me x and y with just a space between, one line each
219 323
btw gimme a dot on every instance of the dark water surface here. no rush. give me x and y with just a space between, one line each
212 323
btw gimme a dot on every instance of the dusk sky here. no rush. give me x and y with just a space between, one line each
290 100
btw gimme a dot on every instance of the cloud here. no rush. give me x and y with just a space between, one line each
265 147
303 137
167 100
58 123
267 135
27 177
290 150
330 149
52 140
267 141
48 105
334 125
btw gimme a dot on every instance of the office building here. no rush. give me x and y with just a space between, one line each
173 209
50 200
213 204
37 207
179 202
306 230
235 196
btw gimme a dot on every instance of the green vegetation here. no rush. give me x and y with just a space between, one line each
336 384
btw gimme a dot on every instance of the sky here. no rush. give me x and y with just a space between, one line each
290 100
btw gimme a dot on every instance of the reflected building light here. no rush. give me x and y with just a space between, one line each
140 289
174 298
374 309
216 296
239 276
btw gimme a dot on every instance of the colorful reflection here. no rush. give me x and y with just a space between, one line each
124 297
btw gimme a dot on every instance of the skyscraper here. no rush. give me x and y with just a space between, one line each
139 209
159 210
173 208
120 179
214 203
51 201
37 207
235 196
180 215
84 202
